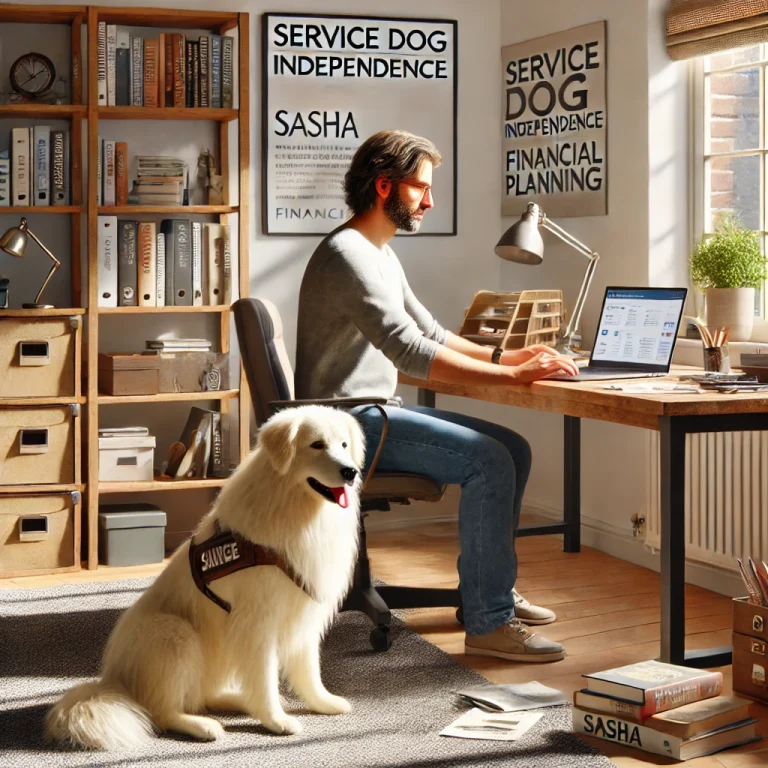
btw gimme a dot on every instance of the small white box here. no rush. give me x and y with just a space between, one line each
126 459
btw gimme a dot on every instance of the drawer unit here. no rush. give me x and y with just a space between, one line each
37 356
37 445
39 533
750 649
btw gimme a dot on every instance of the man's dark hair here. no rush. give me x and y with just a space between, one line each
393 154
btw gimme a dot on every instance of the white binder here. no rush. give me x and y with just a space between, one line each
107 266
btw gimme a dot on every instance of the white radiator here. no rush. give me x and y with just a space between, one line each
726 497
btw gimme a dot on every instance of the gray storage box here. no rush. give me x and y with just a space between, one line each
131 534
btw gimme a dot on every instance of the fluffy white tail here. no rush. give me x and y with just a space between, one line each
98 716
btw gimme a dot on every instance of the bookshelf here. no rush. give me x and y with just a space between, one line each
161 19
68 316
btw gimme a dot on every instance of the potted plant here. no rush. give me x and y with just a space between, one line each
729 267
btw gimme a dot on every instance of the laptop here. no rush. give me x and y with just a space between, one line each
636 334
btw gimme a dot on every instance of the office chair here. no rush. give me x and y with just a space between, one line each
270 379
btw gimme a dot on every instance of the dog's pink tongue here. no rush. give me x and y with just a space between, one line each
341 496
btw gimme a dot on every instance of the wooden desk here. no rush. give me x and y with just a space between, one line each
674 415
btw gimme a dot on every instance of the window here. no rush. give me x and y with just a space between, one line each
731 146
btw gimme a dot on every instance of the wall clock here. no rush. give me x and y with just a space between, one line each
32 75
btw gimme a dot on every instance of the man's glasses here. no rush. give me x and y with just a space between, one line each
420 185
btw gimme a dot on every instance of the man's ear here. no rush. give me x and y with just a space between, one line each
278 438
383 187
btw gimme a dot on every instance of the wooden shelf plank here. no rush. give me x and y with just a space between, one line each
33 401
167 17
160 485
168 397
24 490
44 111
115 210
26 210
168 113
160 310
55 312
41 14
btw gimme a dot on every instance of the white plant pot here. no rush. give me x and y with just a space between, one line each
731 308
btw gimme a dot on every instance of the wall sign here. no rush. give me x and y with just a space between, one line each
554 130
332 81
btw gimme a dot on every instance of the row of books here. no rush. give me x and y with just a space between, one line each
200 450
166 71
160 179
35 170
662 708
185 263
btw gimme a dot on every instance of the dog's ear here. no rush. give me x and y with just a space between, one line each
278 438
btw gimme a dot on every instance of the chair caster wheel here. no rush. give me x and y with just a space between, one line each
381 640
460 615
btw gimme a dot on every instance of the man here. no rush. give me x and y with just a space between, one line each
359 324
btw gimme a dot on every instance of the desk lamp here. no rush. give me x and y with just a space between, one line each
522 243
14 242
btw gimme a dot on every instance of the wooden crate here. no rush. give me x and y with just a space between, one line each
512 320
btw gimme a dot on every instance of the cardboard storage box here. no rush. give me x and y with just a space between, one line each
39 533
192 371
131 534
126 459
37 356
128 374
750 649
37 444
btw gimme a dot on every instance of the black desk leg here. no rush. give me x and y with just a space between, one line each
425 397
572 484
672 541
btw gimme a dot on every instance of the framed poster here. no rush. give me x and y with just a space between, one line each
555 126
330 82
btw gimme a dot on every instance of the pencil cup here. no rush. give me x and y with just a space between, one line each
717 359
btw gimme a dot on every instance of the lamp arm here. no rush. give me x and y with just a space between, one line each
567 237
56 263
573 323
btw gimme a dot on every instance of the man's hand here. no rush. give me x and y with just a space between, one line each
520 356
543 364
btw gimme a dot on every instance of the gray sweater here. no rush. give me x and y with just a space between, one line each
359 322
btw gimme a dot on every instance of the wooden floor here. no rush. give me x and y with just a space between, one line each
608 615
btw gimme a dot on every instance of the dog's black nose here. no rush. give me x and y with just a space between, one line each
348 473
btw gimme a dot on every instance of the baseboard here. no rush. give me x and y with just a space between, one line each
619 543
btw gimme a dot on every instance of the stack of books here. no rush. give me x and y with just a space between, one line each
662 708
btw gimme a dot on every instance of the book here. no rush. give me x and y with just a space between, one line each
123 69
111 65
127 273
101 63
5 177
160 270
656 685
691 720
41 160
137 71
197 264
21 181
107 261
628 733
60 167
147 247
151 80
227 68
123 431
195 435
121 173
109 173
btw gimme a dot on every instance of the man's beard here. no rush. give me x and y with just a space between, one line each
400 214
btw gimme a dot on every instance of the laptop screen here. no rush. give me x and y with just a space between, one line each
638 328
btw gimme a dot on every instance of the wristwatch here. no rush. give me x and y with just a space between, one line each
496 356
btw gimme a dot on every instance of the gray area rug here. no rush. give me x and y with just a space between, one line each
51 639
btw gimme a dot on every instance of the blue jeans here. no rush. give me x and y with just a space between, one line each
491 463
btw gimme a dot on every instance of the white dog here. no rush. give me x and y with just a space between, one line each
178 651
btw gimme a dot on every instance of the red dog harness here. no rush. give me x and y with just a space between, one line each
227 552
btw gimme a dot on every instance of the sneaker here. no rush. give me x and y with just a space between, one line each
531 614
515 642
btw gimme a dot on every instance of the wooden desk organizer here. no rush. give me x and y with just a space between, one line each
514 320
750 649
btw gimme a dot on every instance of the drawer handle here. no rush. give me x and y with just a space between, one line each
34 353
33 440
757 623
758 646
33 528
127 461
